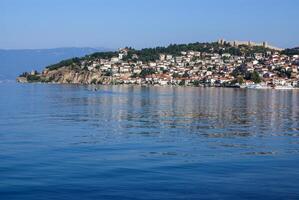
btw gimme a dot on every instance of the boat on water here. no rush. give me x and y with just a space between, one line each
284 87
258 86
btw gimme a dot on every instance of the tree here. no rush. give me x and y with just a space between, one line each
93 81
239 80
291 52
182 83
240 71
255 77
134 75
108 73
69 62
145 72
176 75
33 78
165 71
196 83
186 75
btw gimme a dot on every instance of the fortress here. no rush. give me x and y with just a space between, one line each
237 43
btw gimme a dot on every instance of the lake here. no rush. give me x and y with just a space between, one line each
131 142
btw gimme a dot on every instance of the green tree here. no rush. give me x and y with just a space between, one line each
176 75
255 77
108 73
196 83
182 83
240 80
145 72
93 81
186 75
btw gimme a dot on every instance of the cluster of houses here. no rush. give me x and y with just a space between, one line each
197 68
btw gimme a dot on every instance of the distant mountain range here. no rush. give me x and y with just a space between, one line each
14 62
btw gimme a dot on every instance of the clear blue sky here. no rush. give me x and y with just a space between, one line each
145 23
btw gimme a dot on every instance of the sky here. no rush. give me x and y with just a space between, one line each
31 24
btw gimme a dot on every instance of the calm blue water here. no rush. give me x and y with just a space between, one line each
68 142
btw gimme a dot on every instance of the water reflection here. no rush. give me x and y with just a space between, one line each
157 142
208 114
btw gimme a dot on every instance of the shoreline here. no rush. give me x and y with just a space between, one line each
163 86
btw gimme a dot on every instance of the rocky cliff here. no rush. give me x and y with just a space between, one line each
65 75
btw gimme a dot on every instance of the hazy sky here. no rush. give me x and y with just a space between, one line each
144 23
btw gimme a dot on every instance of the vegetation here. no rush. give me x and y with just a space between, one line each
65 63
241 71
283 73
291 52
102 55
255 77
176 75
186 75
93 81
239 80
33 78
108 73
152 54
25 74
182 83
196 83
146 72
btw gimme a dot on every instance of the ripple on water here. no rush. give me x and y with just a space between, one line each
147 143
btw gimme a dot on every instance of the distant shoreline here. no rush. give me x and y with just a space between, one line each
162 86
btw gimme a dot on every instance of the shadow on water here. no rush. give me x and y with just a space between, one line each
214 116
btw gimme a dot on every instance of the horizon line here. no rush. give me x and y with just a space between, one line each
112 49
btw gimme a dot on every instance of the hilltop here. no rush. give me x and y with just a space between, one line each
152 54
291 52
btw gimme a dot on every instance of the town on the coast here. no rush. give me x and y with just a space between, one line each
217 64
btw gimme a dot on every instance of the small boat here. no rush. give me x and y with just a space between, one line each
258 86
284 87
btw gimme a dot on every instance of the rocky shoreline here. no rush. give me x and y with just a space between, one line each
88 79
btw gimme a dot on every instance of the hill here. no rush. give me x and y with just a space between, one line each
291 52
208 64
152 54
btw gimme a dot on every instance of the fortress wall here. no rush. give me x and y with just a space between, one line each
249 43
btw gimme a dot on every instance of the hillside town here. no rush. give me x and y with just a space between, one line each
268 69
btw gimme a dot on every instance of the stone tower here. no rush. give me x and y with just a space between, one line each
221 41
